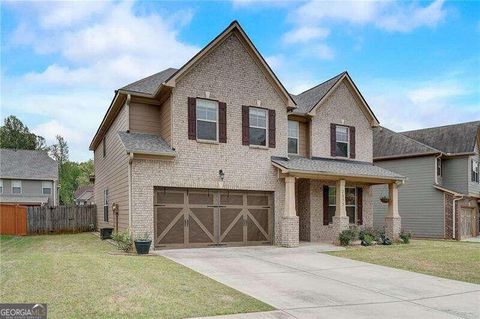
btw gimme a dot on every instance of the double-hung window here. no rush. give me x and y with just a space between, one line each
1 186
16 187
207 120
46 187
342 141
350 203
293 137
439 167
475 171
105 205
258 126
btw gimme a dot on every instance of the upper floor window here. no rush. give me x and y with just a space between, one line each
293 128
1 186
342 141
105 205
439 167
207 120
46 187
258 126
475 171
16 187
104 146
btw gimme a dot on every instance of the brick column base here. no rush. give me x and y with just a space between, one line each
290 232
340 223
393 226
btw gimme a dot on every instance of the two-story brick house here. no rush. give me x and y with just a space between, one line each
219 153
441 198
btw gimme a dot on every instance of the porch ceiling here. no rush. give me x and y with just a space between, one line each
335 169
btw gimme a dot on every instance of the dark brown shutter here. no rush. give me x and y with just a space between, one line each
222 122
352 142
360 205
192 118
333 139
245 125
271 128
325 205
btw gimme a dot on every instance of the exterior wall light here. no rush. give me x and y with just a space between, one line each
221 176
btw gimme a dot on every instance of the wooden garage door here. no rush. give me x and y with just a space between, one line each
198 218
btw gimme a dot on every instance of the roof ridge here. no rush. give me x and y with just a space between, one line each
147 77
441 126
412 139
316 86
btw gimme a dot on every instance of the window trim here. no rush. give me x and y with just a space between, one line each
347 142
104 146
355 219
216 140
50 187
258 127
21 187
439 167
105 205
291 137
1 186
475 171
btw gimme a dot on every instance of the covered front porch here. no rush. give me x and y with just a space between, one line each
323 197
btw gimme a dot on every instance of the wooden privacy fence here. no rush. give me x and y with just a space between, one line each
61 219
13 220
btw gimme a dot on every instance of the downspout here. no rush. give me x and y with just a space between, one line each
454 214
130 160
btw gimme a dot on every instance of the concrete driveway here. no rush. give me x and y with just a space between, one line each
303 283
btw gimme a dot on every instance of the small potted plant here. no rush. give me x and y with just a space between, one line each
384 199
142 244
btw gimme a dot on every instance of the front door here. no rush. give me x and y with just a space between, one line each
199 218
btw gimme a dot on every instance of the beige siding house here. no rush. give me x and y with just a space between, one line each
219 153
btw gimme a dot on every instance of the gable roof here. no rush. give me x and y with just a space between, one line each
313 98
150 84
451 139
307 100
390 144
27 164
83 189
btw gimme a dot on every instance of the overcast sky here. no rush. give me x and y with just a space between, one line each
416 63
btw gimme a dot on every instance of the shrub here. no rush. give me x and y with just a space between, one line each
348 235
123 241
385 240
368 240
405 236
144 237
373 232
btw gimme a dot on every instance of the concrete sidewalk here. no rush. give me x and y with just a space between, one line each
303 283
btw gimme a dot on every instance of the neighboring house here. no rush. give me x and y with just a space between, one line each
84 195
219 153
442 167
28 178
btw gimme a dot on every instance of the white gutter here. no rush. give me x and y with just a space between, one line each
454 214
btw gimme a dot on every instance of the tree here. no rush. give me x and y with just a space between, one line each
15 135
69 173
59 151
86 170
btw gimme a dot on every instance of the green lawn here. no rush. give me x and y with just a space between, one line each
80 276
447 259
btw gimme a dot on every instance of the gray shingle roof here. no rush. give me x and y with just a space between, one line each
456 138
335 167
27 164
150 84
308 99
387 143
23 199
145 144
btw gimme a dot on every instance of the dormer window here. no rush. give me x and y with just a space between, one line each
342 141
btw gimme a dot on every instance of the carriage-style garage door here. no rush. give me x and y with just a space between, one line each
198 218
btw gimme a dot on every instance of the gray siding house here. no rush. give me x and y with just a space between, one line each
28 177
441 196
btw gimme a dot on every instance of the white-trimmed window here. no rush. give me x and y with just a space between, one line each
475 171
207 120
258 126
105 205
350 203
1 186
293 132
342 141
46 187
16 187
439 167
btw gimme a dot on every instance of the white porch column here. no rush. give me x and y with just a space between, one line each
393 222
340 220
290 227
